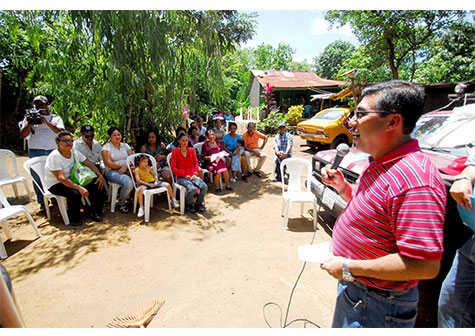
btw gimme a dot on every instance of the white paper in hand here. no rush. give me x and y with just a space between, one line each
318 253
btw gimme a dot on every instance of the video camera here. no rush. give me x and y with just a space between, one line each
33 116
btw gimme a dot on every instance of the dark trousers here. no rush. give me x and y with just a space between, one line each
73 197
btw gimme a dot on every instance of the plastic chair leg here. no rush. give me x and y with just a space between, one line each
115 188
286 218
169 203
3 252
48 213
27 190
147 197
136 195
301 209
314 214
32 222
62 209
15 189
6 229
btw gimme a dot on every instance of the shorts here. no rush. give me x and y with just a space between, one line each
147 187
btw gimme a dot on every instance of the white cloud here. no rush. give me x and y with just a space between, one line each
321 26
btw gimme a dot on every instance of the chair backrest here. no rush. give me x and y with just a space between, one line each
37 164
131 165
294 169
169 158
198 147
4 173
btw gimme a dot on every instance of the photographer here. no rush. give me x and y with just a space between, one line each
42 128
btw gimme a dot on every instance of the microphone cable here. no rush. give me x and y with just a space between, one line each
306 321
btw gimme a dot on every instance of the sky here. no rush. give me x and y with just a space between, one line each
306 31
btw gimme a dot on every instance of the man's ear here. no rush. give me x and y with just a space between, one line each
395 120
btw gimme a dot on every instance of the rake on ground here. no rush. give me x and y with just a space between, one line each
138 316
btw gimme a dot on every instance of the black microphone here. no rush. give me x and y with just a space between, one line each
341 150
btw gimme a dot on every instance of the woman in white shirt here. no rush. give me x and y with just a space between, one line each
114 154
58 180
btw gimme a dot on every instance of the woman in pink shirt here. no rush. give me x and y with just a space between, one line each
184 165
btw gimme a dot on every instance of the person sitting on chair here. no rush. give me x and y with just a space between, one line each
283 149
58 180
184 165
251 137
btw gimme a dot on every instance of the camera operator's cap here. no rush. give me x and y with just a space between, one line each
41 99
87 128
282 124
455 167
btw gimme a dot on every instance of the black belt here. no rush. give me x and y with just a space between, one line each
382 292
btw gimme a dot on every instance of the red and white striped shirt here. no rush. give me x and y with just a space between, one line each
397 206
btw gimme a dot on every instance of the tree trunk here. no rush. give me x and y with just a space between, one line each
392 59
21 80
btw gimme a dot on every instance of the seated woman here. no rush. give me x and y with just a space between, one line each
58 180
218 129
193 135
115 155
184 165
218 165
156 148
230 145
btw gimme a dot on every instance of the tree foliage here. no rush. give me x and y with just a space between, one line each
134 69
331 59
395 41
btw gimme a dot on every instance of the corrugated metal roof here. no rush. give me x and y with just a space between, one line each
293 79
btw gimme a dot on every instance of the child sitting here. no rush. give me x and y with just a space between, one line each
147 179
236 159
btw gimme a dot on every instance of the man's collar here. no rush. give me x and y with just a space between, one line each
409 147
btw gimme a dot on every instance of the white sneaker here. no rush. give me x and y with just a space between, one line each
175 203
232 179
140 213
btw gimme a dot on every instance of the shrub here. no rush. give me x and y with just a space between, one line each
294 114
270 125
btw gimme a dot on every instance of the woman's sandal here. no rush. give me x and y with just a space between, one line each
123 209
219 190
229 188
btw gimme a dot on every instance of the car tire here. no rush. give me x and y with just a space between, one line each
338 140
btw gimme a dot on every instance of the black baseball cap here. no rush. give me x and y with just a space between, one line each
87 128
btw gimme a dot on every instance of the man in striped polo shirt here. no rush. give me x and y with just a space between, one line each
390 234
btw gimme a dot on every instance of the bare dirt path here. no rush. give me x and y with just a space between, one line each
216 270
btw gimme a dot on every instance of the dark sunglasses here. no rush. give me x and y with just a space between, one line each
360 114
66 140
90 136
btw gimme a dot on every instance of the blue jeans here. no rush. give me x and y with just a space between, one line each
124 181
36 153
457 295
359 308
277 165
191 188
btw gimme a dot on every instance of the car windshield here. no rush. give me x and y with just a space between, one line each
330 114
455 140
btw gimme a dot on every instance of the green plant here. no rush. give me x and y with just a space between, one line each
294 114
270 125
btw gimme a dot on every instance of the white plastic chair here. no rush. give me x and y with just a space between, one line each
112 192
178 186
38 166
7 212
147 194
6 178
294 192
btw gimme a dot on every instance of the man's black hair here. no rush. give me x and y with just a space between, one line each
400 97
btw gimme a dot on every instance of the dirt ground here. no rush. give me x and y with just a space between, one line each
214 270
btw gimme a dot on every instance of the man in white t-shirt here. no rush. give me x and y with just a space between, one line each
42 132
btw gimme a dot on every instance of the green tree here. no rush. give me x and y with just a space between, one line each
396 39
330 61
268 57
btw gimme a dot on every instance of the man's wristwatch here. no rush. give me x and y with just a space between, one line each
461 177
347 276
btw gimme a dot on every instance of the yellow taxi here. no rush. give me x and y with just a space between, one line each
326 128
